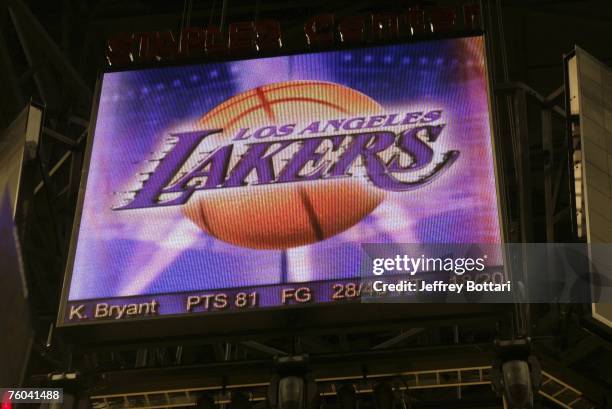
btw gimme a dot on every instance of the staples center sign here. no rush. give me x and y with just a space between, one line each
266 36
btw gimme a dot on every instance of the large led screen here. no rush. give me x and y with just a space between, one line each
251 184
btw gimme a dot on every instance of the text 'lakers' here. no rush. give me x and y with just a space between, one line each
397 156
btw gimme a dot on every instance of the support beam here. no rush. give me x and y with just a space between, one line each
266 349
549 199
12 100
399 338
39 47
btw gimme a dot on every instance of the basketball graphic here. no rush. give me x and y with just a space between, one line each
287 215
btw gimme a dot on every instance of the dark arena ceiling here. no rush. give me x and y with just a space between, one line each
52 52
537 34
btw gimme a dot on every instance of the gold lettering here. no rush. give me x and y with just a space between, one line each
101 310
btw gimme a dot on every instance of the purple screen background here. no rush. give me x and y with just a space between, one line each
158 250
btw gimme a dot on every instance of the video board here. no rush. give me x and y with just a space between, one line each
252 184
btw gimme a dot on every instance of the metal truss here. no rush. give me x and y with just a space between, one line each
38 66
563 394
33 66
553 389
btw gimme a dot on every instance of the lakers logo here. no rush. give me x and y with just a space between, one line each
242 178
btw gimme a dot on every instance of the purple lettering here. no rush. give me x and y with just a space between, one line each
388 182
258 159
213 168
308 153
148 196
308 160
375 121
390 120
242 134
335 123
420 152
432 116
353 123
366 145
312 128
411 118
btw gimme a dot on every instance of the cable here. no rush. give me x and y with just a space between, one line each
522 310
222 21
188 17
182 25
212 13
502 40
257 7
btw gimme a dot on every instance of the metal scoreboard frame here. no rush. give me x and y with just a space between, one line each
280 318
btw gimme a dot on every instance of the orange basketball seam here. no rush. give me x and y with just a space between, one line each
205 222
302 84
313 220
276 101
307 99
248 94
265 103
